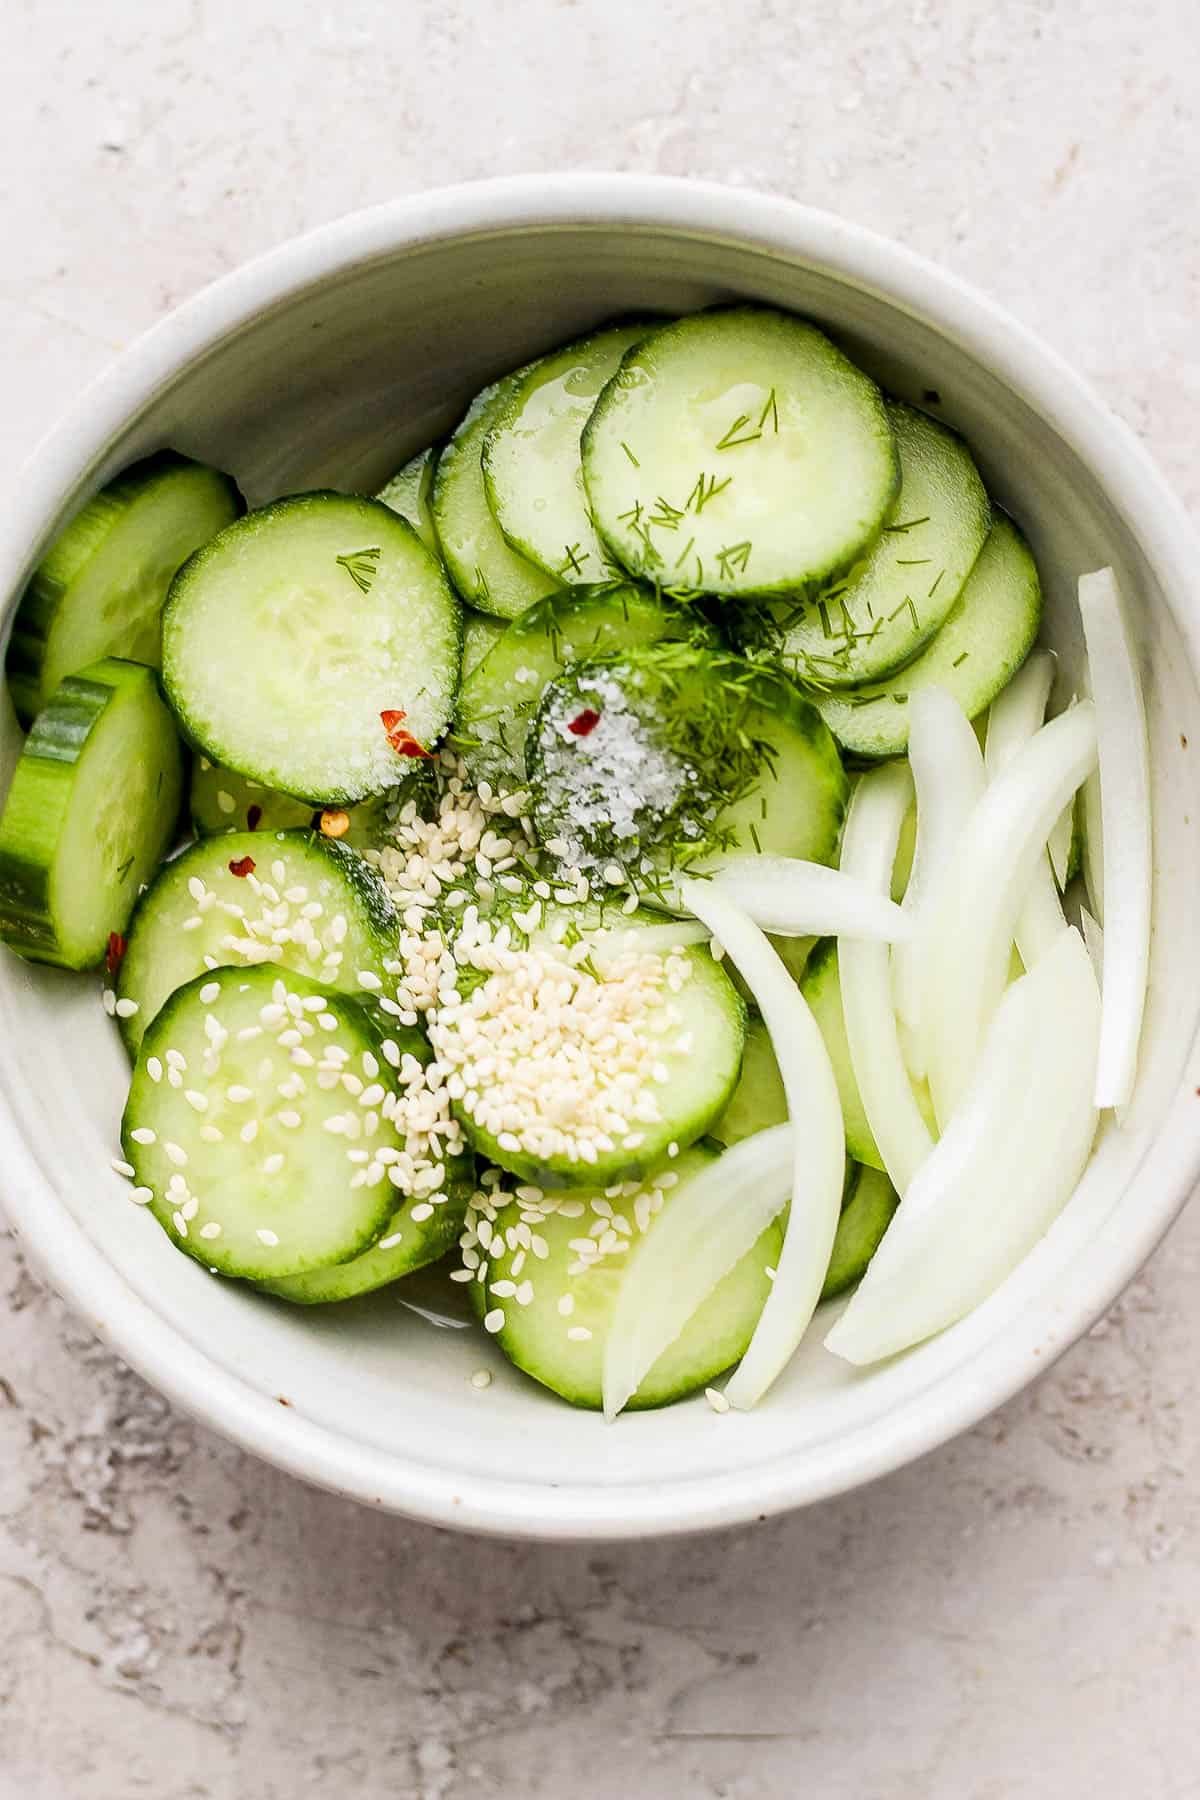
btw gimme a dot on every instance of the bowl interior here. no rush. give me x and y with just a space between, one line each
336 385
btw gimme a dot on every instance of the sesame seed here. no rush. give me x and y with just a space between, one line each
121 1167
196 1100
716 1400
180 1223
482 1378
266 1237
566 1305
238 1094
177 1060
154 1069
421 1212
125 1009
369 980
141 1196
175 1153
209 992
144 1135
493 1321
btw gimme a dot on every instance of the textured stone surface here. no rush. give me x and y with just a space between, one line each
1017 1615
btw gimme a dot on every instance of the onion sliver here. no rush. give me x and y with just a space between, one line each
877 811
947 770
1127 845
977 907
818 1140
1007 1163
794 898
695 1243
1014 717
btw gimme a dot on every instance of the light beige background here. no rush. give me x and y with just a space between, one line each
1015 1617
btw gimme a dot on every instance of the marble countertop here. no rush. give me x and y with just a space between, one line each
1015 1616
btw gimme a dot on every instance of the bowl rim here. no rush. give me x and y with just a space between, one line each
77 1267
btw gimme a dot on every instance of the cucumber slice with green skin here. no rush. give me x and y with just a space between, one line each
739 452
483 565
886 610
677 756
222 801
407 1243
409 493
558 1335
481 633
302 902
822 988
92 809
758 1100
696 1035
866 1215
990 631
100 588
291 1196
531 466
500 696
287 639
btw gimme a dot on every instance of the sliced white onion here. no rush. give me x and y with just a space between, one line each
1014 717
974 917
1093 845
1127 843
877 811
1093 937
1059 845
616 939
947 770
794 898
703 1234
1007 1163
818 1140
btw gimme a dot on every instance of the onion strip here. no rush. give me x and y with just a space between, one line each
794 898
877 811
1006 1164
705 1232
1127 844
1014 717
971 926
818 1140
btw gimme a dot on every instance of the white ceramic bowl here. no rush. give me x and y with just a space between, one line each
327 362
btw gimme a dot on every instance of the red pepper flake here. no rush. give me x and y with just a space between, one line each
584 723
253 815
402 741
115 953
245 865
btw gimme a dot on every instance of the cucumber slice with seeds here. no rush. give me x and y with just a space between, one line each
248 1154
92 809
886 611
294 899
741 453
100 588
481 632
223 801
296 639
989 633
500 696
484 567
866 1214
409 493
531 466
553 1322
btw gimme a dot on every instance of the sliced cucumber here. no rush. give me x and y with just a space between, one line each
866 1215
222 801
100 588
551 1312
298 639
499 698
484 567
988 635
677 756
885 611
660 1084
247 1170
294 899
758 1099
410 492
92 808
407 1243
531 466
481 631
822 988
741 453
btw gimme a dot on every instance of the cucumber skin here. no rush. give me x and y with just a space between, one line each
673 1384
199 858
630 1165
866 1215
40 792
66 559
